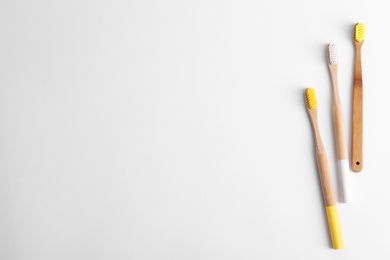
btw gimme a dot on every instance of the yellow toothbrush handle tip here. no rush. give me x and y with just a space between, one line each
334 227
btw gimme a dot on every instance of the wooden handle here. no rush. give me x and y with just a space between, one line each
338 117
326 185
322 162
326 182
357 114
339 131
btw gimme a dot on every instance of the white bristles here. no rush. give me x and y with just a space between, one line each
332 53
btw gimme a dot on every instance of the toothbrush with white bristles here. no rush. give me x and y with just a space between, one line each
339 129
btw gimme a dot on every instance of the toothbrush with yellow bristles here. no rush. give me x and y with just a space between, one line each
338 126
357 101
323 169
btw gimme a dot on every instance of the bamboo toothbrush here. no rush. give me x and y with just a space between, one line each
338 126
323 169
357 102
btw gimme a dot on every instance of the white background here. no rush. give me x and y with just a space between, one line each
178 129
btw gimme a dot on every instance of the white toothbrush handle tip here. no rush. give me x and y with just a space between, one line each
343 176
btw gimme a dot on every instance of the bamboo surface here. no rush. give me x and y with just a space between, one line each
338 117
357 112
322 162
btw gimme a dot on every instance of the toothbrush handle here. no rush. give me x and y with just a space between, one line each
339 130
326 182
330 202
341 151
334 227
357 114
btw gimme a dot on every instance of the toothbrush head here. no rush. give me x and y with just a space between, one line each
360 31
311 101
332 54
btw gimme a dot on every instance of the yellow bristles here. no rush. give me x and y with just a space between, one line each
359 32
311 98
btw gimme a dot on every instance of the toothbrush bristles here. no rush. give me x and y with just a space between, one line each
332 53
